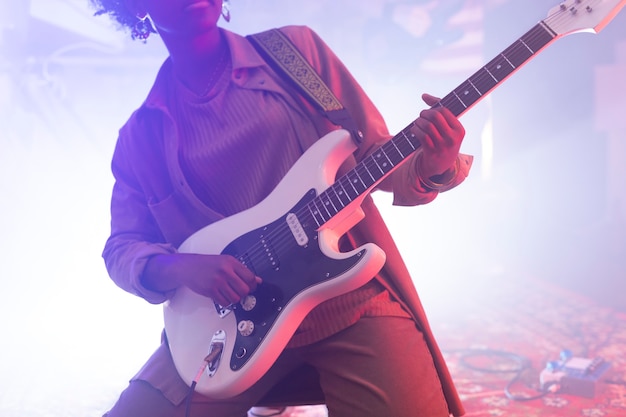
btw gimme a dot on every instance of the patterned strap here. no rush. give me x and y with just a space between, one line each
285 58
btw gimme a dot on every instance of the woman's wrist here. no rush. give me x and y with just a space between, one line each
161 273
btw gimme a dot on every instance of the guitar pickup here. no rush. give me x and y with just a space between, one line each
297 230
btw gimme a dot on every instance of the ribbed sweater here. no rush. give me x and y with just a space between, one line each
236 145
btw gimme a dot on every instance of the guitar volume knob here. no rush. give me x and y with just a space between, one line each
248 303
245 327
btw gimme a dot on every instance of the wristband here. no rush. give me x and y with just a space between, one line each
435 182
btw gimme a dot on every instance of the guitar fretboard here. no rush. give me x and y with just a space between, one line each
375 167
498 69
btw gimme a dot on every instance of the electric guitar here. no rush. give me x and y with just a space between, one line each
290 239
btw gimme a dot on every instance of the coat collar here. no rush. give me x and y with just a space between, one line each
242 54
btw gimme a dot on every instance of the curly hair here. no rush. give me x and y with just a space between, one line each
117 10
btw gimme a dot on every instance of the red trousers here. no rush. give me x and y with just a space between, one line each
380 366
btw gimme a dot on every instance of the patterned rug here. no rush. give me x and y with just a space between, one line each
499 338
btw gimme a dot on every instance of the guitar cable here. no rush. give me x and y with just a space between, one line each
216 350
523 365
192 388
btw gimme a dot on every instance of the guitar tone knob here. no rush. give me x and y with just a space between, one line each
248 303
245 327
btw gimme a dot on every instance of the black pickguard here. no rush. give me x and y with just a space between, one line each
287 269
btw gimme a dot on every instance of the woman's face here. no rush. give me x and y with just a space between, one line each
181 17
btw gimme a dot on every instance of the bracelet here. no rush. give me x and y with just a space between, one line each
436 182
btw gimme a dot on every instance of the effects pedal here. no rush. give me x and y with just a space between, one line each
573 376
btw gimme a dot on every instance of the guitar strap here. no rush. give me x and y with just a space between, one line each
283 56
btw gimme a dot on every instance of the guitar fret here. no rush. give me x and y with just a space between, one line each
392 153
484 83
517 54
495 80
364 165
375 158
452 102
314 214
499 68
320 212
467 93
352 185
343 193
386 164
327 201
508 61
403 139
364 176
335 199
359 180
408 138
538 37
324 204
459 98
402 156
470 82
527 47
305 217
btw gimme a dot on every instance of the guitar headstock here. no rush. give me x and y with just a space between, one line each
573 16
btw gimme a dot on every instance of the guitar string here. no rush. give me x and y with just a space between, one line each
481 78
366 171
276 238
485 78
282 236
559 17
322 205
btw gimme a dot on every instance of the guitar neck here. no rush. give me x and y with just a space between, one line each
498 69
374 168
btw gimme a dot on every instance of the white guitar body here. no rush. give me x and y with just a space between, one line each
291 238
194 322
